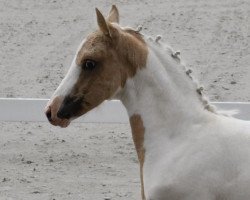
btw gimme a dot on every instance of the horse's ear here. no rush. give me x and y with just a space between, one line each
113 15
103 25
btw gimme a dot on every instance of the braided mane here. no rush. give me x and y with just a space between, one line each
176 56
199 89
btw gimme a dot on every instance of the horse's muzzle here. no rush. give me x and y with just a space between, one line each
51 112
64 113
70 108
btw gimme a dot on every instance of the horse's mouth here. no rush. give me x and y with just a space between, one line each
63 123
56 121
60 112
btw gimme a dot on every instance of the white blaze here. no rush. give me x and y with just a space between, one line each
69 80
71 77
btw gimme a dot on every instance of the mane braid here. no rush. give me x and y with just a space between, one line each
199 89
176 56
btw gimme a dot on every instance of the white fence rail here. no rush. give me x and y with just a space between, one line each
19 109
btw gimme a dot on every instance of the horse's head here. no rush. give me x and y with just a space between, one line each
103 63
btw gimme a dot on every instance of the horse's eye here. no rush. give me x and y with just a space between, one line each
89 65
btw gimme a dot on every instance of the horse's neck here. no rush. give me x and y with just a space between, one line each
162 94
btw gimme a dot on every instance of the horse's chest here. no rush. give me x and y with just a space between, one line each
158 160
168 165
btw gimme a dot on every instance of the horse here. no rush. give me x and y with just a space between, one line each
186 149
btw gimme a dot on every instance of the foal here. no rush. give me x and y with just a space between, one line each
186 151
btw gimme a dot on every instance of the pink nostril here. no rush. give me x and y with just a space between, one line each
48 114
